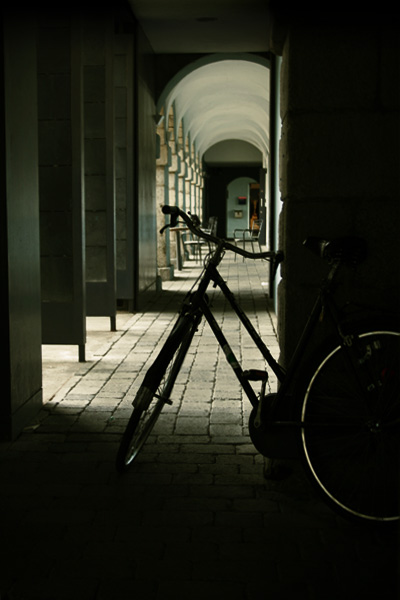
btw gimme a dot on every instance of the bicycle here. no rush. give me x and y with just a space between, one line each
344 403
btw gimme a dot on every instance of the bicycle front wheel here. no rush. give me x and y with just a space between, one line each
155 392
350 415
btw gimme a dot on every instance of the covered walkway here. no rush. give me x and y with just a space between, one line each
195 518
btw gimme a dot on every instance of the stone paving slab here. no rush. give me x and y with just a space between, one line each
195 517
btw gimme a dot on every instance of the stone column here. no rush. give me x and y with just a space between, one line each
20 229
165 269
188 188
173 196
339 165
180 183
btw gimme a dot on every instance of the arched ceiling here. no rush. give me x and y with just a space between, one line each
226 99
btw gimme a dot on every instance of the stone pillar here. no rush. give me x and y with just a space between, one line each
180 183
61 180
188 195
165 269
124 166
189 191
198 188
21 395
173 197
193 188
99 163
339 164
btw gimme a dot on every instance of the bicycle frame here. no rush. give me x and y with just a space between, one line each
343 405
198 300
285 378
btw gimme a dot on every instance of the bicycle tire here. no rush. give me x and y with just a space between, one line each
155 391
350 420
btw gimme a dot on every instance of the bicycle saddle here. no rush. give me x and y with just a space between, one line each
349 250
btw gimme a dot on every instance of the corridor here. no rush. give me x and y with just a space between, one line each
194 518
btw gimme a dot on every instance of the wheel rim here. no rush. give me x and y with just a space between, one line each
145 425
352 446
156 400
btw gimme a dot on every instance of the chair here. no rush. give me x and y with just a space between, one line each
195 244
251 235
211 229
191 246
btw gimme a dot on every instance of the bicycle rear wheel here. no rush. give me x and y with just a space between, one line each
155 392
350 413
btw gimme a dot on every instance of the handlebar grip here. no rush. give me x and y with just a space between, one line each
170 210
173 211
276 262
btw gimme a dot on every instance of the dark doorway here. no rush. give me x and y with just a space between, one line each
216 183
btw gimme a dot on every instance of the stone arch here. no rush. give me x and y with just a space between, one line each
219 97
211 100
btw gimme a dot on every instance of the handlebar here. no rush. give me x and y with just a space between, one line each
348 250
193 223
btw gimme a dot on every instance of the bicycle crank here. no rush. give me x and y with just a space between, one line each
271 439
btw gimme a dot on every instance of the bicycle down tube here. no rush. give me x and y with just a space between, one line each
211 273
275 367
229 354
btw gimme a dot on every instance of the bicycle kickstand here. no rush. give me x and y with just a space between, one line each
256 375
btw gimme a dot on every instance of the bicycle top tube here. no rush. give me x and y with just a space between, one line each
193 223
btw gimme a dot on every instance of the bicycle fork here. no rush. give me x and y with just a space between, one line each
189 326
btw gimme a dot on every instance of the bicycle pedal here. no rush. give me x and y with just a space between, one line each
256 375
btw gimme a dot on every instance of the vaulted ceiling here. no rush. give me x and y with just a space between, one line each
227 96
223 100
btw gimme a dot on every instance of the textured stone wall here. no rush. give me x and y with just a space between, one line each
339 163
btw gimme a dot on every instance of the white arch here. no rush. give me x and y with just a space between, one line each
221 97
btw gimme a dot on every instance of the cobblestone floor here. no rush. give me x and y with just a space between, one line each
194 518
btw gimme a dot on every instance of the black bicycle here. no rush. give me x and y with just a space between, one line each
343 404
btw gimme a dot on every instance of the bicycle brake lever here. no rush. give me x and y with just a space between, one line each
276 262
195 219
173 223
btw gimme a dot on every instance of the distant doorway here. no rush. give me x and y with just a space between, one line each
254 198
217 195
240 210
